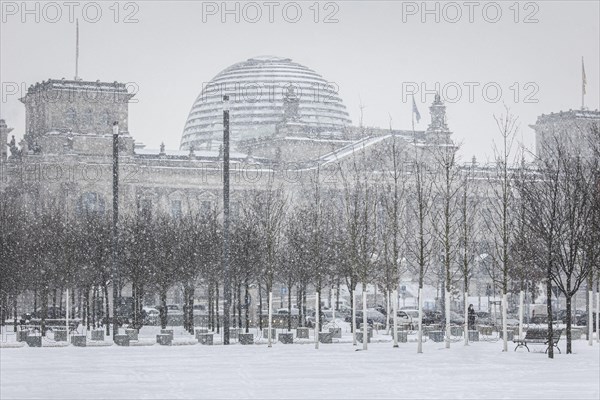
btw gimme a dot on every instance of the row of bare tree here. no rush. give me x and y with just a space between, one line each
394 211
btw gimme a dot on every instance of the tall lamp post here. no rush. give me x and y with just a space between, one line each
115 220
225 258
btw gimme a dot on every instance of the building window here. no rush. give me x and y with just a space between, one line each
71 118
145 207
88 118
206 207
90 203
176 210
234 210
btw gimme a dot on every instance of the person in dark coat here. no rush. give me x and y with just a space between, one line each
471 317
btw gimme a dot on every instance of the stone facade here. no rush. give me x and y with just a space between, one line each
571 127
67 155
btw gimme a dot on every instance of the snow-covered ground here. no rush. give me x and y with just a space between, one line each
480 370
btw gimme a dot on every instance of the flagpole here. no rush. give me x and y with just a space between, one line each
583 79
77 49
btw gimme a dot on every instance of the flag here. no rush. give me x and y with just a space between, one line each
415 110
583 78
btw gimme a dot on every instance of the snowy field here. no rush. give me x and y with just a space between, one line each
337 370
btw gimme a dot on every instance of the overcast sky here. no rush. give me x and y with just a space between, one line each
373 50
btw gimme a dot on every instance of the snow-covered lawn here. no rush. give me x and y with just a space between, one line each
480 370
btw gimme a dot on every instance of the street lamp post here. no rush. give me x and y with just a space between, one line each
225 258
115 220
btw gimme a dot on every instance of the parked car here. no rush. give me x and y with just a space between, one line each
173 309
53 313
575 315
150 315
373 316
381 309
199 307
326 316
582 320
405 318
414 315
285 311
432 317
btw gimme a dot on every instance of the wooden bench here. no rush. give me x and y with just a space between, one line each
539 336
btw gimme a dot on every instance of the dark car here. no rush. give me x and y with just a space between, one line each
432 317
373 316
575 315
483 318
381 309
582 320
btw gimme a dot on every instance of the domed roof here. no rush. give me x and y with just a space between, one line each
258 89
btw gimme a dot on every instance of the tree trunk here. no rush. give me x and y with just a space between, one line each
270 317
85 312
54 304
211 315
290 307
107 310
60 306
299 304
364 319
186 315
217 307
191 309
420 333
239 304
2 309
44 309
353 307
247 303
317 327
549 309
260 307
94 302
15 312
304 305
568 302
163 308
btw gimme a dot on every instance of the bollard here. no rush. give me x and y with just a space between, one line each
402 336
205 338
337 332
98 334
359 337
132 333
60 335
325 337
246 338
266 333
121 340
164 339
34 341
509 335
167 332
200 331
302 333
456 330
286 338
436 336
22 336
78 340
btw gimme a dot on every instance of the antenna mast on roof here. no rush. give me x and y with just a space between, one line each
77 49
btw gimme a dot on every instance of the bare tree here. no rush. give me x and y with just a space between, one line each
500 218
420 245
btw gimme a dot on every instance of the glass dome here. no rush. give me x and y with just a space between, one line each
258 88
